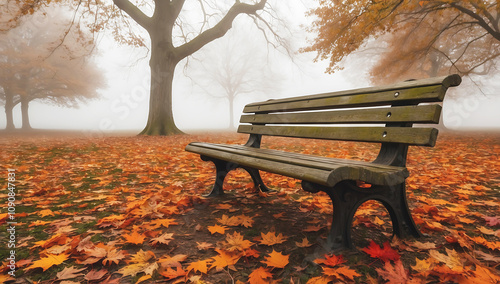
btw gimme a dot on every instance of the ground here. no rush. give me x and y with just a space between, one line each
130 209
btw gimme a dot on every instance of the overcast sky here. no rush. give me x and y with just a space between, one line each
124 104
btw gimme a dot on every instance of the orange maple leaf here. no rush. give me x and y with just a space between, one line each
235 242
331 261
200 266
321 280
260 275
48 261
134 238
164 222
229 221
341 272
217 229
276 260
304 244
172 261
224 259
170 274
270 238
385 254
245 221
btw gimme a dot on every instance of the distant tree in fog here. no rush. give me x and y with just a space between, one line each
235 66
34 65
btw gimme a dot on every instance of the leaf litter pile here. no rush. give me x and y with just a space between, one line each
130 210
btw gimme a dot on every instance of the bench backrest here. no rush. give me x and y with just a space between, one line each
395 108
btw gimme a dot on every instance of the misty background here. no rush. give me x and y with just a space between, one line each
199 102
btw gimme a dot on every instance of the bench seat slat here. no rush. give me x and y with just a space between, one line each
325 171
413 114
407 135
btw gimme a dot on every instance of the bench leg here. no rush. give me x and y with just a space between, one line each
257 180
347 197
221 170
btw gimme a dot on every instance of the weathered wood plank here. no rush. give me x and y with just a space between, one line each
334 101
414 114
409 92
406 135
338 169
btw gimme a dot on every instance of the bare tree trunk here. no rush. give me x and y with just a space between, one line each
9 105
24 111
161 117
231 111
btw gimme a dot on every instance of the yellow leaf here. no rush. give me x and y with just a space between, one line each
48 261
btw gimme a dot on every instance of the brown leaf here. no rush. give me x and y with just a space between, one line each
69 273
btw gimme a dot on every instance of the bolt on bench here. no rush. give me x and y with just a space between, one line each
395 108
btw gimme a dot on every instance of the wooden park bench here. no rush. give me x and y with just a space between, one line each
383 115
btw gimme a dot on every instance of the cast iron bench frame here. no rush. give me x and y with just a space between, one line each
396 107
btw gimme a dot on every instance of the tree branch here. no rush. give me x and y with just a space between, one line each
135 13
219 29
480 20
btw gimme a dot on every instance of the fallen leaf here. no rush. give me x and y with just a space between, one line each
304 244
69 273
48 261
260 275
270 238
396 274
276 260
385 254
95 275
217 229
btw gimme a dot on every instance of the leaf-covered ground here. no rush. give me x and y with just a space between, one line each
130 210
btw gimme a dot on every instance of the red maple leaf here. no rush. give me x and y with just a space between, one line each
385 254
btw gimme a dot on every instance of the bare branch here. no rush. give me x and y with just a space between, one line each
135 13
219 29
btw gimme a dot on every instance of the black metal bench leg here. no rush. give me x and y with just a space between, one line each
402 222
257 180
347 197
222 168
344 208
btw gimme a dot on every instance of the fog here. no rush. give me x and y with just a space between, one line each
124 104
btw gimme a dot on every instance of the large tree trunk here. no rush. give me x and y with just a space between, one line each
161 117
9 105
24 111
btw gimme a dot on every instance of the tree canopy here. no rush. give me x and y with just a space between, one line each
430 37
36 65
